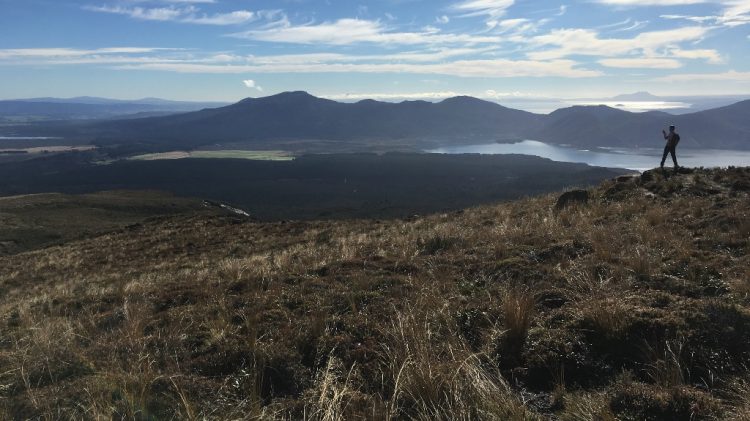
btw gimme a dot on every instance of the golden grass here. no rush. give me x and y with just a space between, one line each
491 313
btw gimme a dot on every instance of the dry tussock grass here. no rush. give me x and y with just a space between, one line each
466 315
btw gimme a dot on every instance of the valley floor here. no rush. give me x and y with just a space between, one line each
633 306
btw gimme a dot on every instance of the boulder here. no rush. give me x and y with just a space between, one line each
572 197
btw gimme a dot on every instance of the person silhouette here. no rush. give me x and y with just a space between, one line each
672 139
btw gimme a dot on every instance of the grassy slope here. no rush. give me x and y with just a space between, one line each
635 306
33 221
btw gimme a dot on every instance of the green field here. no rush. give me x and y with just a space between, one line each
233 154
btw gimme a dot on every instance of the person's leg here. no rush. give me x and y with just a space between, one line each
673 151
664 156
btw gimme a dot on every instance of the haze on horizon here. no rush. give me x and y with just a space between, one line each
225 50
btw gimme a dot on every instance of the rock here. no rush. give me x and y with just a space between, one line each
618 191
571 197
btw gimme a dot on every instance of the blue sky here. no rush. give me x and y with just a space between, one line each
389 49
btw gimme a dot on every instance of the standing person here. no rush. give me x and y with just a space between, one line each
672 139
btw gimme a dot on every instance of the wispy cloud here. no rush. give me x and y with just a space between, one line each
730 75
733 12
427 62
624 25
353 31
136 54
498 68
46 53
231 18
423 56
156 13
491 8
587 42
711 56
697 19
633 26
185 14
641 63
516 26
650 2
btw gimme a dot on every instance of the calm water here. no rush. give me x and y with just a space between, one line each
637 106
635 159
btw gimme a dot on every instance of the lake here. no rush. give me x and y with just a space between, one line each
640 159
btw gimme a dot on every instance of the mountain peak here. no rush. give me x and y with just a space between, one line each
293 95
283 97
463 99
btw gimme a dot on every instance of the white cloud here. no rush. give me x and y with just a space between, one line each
497 68
43 53
730 75
634 26
493 94
252 85
737 13
158 13
711 56
734 12
187 14
231 18
491 8
697 19
461 62
641 63
442 19
63 56
353 31
426 56
516 26
586 42
650 2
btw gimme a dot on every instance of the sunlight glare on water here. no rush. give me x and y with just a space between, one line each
635 159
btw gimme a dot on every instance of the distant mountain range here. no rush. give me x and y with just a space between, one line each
44 109
459 120
301 117
590 126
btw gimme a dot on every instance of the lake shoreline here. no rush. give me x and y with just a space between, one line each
636 159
